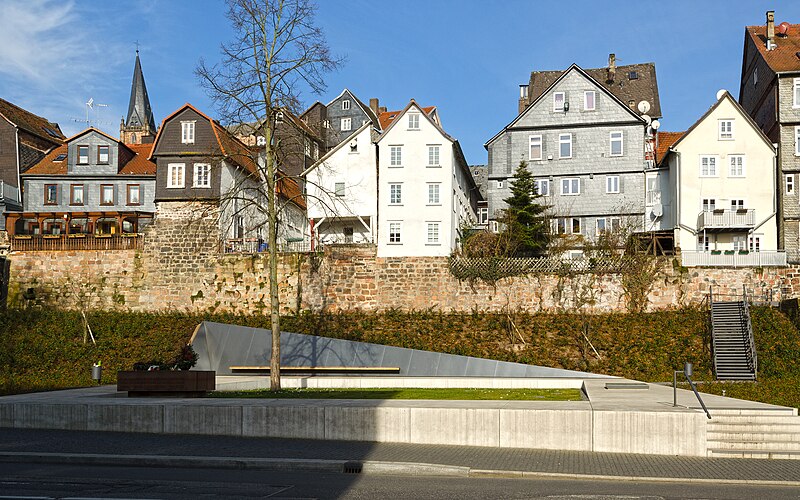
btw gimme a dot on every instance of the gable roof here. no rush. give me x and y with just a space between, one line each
643 88
336 148
92 129
31 123
138 164
783 58
665 141
387 117
363 106
426 112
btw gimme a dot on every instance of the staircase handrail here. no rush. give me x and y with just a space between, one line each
752 356
711 326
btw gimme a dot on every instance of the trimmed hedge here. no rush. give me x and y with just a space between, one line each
43 349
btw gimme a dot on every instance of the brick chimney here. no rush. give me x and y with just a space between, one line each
523 98
770 29
373 105
612 67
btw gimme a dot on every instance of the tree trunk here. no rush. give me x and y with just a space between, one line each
274 302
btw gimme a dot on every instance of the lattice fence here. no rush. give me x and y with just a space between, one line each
495 268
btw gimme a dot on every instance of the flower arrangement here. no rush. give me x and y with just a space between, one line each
186 359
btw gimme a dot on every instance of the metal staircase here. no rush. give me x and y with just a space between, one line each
732 340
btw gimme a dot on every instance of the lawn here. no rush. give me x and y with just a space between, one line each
411 393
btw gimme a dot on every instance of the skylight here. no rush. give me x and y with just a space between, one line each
61 157
52 132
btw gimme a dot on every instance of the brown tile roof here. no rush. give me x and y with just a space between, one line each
48 165
643 88
137 165
784 57
31 123
387 117
289 189
665 140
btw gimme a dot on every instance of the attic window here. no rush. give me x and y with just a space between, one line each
797 54
633 75
51 132
61 157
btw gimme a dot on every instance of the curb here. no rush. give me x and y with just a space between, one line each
345 467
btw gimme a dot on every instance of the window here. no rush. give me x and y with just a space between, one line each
413 121
102 154
725 130
483 215
307 147
708 166
187 132
345 104
796 93
346 124
797 141
175 175
535 147
348 234
608 225
395 229
571 186
565 146
134 194
702 243
433 194
568 225
588 100
709 204
202 175
612 184
737 204
396 156
433 156
106 194
76 194
50 194
433 233
737 165
615 139
755 77
315 148
558 101
739 242
339 189
261 140
83 155
542 187
395 194
789 184
500 184
755 243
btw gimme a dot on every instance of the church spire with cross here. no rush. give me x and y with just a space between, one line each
140 126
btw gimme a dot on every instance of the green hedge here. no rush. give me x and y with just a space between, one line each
43 348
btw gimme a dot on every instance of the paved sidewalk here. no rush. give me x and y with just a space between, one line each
206 451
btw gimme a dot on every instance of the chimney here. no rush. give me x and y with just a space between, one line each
373 105
770 29
523 98
382 109
612 67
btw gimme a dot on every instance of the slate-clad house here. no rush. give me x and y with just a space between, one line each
586 143
200 160
25 139
91 186
337 120
770 93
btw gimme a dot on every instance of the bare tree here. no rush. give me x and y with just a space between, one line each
276 54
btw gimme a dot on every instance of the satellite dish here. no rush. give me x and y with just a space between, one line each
783 28
720 93
657 210
655 124
647 119
643 107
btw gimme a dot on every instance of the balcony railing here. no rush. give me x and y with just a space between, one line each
653 197
34 243
726 219
733 258
248 246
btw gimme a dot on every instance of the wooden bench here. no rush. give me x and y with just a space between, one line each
191 383
319 369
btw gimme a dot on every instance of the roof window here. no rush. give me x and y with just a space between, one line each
633 75
61 157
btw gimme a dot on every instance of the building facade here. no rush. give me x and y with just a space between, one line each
336 121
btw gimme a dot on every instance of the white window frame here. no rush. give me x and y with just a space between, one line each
571 183
434 193
703 242
737 204
345 104
564 139
613 137
789 184
432 237
338 189
568 225
100 155
202 172
535 140
710 172
797 141
395 228
733 166
434 159
612 184
104 189
187 132
755 242
556 108
395 156
739 242
726 135
176 181
346 124
500 184
413 121
483 215
540 184
586 94
83 160
610 225
395 193
708 204
796 93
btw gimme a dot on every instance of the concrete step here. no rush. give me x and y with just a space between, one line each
754 436
714 444
763 454
752 427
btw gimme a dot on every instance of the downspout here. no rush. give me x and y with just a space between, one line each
19 179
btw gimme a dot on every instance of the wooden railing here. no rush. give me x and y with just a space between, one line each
35 243
723 219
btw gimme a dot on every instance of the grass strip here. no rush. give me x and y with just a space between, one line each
410 393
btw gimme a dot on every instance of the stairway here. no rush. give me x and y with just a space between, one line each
734 355
754 434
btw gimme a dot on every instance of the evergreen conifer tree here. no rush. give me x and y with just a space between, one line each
526 232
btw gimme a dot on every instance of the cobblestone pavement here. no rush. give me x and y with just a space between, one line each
476 458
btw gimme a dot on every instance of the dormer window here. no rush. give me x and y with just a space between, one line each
633 75
102 154
413 121
83 155
187 132
345 104
558 102
725 130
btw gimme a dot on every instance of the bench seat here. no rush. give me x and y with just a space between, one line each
320 369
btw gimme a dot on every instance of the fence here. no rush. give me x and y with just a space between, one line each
494 268
251 246
734 259
33 243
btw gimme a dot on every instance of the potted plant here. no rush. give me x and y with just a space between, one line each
716 252
186 359
729 252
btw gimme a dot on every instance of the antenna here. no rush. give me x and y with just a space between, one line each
720 93
90 105
643 107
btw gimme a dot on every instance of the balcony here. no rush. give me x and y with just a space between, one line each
732 258
61 242
726 220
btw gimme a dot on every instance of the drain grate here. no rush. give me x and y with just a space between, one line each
352 467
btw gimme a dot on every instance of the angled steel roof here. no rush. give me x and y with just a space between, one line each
139 111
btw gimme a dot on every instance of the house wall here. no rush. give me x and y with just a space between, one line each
34 193
335 114
758 98
8 155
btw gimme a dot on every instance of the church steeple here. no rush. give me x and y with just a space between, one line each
139 127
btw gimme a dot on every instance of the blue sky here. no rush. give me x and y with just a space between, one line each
467 57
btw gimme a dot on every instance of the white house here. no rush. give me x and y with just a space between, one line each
341 190
723 176
426 193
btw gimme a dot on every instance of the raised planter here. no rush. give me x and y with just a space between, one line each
187 383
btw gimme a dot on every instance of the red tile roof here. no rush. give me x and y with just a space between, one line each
31 123
665 140
289 189
784 57
48 165
387 117
137 165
